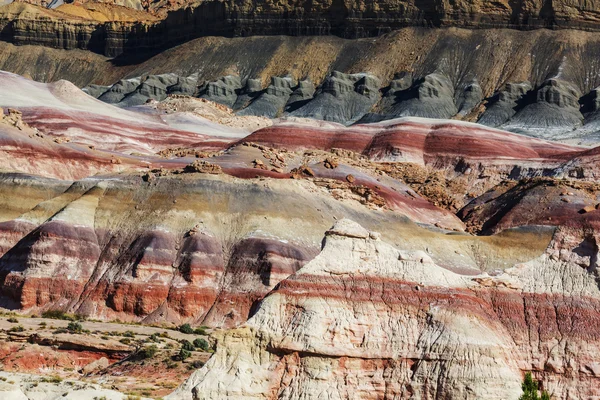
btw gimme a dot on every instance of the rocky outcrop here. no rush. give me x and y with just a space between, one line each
342 98
469 99
214 266
137 91
554 110
224 91
272 101
503 105
431 97
69 341
343 313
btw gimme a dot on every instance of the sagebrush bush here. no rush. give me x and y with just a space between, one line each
186 328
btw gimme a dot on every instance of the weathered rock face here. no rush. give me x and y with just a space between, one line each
28 24
555 109
504 104
342 98
381 322
273 100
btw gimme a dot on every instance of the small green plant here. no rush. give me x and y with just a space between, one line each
530 389
18 328
128 334
154 338
74 327
183 354
42 324
61 330
125 341
187 345
201 344
132 397
13 320
148 352
198 364
186 328
165 335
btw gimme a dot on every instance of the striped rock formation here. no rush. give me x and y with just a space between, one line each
364 319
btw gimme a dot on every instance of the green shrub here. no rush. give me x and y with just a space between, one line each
74 327
155 338
201 344
17 329
128 334
187 345
148 352
125 341
183 354
530 389
186 328
13 320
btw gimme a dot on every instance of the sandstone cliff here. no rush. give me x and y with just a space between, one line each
111 33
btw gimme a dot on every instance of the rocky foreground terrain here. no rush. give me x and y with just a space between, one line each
191 252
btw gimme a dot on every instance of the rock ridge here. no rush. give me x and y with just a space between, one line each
239 18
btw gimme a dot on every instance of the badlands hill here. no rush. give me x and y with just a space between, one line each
299 200
524 67
456 258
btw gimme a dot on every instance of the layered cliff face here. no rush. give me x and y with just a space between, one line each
381 322
103 30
